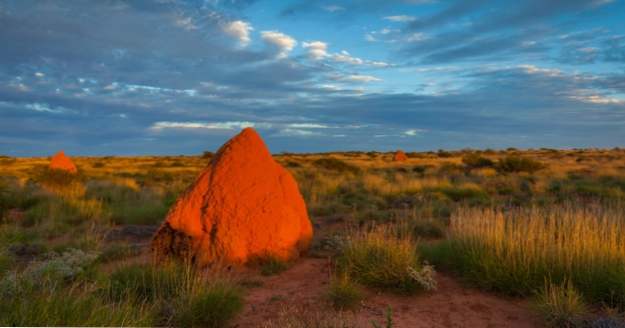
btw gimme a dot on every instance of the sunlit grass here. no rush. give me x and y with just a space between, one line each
515 251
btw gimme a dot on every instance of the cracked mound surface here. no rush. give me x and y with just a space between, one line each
242 206
61 162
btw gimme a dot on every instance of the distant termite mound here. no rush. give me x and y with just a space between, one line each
62 163
399 156
242 206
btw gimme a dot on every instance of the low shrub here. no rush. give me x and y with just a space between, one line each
517 164
334 164
344 293
476 161
212 306
379 259
561 305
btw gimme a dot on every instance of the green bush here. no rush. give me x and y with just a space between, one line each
476 161
212 307
334 164
380 260
517 164
561 305
144 282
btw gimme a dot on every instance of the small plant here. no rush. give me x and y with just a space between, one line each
561 305
212 306
344 293
271 265
388 319
380 259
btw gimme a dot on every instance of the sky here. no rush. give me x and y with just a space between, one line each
169 77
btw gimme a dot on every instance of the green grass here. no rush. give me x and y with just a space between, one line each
213 307
270 265
344 293
381 260
193 299
70 307
561 305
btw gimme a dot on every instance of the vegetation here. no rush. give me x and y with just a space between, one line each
514 251
344 293
508 221
561 305
380 260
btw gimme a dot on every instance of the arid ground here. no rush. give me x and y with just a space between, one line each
511 238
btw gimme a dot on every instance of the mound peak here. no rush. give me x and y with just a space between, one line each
243 205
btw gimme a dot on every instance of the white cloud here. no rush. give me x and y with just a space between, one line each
298 133
45 108
185 23
279 40
400 18
599 99
202 125
39 74
415 37
333 8
414 132
360 78
532 69
316 49
308 126
240 30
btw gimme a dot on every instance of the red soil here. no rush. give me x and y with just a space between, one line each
400 156
63 163
243 205
305 286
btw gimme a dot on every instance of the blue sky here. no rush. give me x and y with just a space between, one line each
121 77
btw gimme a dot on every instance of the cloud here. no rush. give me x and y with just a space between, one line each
158 126
240 30
414 132
316 49
400 18
359 78
282 43
332 8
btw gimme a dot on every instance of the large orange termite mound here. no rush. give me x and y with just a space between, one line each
400 156
61 162
242 206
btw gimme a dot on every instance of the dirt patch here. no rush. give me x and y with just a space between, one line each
453 305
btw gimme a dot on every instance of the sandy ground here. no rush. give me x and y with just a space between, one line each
453 305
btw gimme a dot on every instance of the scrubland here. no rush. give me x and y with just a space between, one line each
543 225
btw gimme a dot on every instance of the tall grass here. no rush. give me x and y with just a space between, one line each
515 251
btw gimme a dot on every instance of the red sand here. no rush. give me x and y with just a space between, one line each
305 286
243 205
